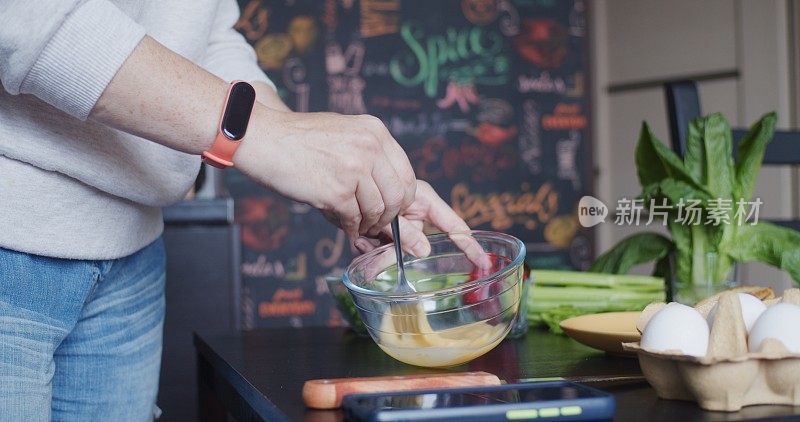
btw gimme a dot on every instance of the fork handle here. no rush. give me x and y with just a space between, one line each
398 250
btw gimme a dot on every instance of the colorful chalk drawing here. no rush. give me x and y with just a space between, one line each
577 19
264 222
480 12
345 85
566 155
495 110
509 18
379 17
294 79
543 42
465 55
437 160
576 89
488 98
273 50
461 94
530 140
253 20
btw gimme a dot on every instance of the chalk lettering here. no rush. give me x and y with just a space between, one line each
396 103
375 69
564 117
464 55
530 140
425 124
328 251
566 156
556 122
303 307
503 210
263 268
287 294
542 83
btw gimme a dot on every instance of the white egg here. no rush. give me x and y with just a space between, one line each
752 307
779 322
679 328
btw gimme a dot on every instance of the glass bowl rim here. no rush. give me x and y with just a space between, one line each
515 264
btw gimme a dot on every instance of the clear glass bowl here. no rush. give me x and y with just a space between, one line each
458 312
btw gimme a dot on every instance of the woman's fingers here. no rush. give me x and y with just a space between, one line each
412 239
370 204
403 168
348 215
391 190
445 219
366 245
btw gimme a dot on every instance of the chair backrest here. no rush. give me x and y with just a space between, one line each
683 105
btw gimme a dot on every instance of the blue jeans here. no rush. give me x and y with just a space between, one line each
80 340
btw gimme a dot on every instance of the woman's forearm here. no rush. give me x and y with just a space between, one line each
163 97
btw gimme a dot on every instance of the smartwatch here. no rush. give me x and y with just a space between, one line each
232 124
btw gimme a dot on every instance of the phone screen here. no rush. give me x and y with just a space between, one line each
477 398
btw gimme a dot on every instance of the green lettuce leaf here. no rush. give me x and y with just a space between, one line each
631 251
750 154
655 162
770 244
695 157
720 177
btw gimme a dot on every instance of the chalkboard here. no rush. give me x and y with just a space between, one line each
489 98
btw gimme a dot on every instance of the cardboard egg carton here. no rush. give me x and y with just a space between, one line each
729 376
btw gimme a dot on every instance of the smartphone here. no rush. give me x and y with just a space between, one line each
540 401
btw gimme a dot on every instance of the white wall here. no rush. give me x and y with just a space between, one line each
640 40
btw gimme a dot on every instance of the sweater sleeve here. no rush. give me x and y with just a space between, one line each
228 54
65 52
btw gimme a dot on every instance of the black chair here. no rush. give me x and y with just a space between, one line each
683 105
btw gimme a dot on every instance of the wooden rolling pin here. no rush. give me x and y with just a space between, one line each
327 394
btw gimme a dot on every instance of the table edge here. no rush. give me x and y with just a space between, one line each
258 403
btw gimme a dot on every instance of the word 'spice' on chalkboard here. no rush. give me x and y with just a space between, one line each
489 99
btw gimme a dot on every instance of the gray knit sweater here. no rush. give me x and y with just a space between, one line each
77 189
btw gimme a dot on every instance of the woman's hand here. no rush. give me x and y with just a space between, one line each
349 167
429 208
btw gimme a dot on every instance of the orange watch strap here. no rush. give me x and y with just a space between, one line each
220 155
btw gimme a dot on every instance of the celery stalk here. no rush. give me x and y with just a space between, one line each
558 295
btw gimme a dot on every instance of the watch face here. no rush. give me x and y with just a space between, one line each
237 111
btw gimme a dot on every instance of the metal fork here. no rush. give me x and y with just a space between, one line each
407 318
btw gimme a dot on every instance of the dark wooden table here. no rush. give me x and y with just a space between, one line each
258 375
